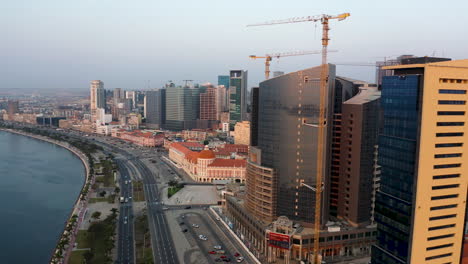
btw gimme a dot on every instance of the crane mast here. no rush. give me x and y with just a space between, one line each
322 123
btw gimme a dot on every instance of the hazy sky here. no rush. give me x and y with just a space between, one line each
125 43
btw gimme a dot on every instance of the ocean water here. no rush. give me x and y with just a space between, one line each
39 183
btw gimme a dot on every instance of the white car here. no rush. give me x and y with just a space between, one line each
195 225
240 259
125 222
218 247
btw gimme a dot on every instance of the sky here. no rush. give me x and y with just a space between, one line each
140 44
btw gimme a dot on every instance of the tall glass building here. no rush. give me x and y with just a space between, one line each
237 96
284 149
420 207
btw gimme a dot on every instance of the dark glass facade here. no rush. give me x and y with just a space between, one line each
397 158
237 96
286 104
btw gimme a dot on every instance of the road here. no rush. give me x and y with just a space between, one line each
125 245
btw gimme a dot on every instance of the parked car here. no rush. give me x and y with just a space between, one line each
217 247
240 259
212 252
195 225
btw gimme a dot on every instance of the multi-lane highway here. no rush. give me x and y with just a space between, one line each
125 245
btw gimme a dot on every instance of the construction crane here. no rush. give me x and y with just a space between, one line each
269 57
323 19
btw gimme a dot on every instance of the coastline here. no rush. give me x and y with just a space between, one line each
78 205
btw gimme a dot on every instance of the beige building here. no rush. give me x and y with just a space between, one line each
241 133
422 151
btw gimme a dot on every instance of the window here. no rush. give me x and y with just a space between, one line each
449 91
439 256
439 247
441 197
442 207
450 123
446 176
440 237
450 112
450 134
448 145
448 186
440 227
446 166
440 217
451 155
452 102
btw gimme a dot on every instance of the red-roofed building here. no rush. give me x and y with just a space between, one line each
138 137
205 166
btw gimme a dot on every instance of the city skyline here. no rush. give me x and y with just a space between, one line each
73 43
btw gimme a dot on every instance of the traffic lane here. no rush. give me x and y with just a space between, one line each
213 238
203 247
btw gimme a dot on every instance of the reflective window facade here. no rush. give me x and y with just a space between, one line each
397 156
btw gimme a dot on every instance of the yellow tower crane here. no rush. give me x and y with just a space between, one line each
323 19
269 57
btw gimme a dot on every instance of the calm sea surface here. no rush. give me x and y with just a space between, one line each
39 183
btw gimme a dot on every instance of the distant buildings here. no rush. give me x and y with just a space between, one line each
421 205
182 107
223 80
138 137
241 133
12 107
237 96
155 108
98 96
208 102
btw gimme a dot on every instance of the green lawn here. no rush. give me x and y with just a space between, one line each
76 257
173 190
98 199
144 254
100 239
138 193
82 239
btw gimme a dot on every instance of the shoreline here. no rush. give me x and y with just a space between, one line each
77 205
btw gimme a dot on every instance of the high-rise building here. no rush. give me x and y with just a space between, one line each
208 103
182 107
286 151
12 107
221 100
118 94
345 88
237 96
223 80
359 132
98 97
380 72
421 205
241 133
155 107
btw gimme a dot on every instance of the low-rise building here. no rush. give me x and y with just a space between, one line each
139 137
205 165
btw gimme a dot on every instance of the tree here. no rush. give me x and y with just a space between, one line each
88 255
114 211
96 215
117 190
206 142
102 194
173 183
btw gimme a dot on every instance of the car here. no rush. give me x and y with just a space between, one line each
212 252
165 208
125 222
217 218
240 259
188 207
218 260
218 247
183 216
220 251
223 257
236 254
125 217
181 223
195 225
185 230
227 260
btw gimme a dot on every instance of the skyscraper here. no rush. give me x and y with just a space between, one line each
12 107
182 107
420 207
359 132
285 155
155 107
237 96
223 80
208 103
98 96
